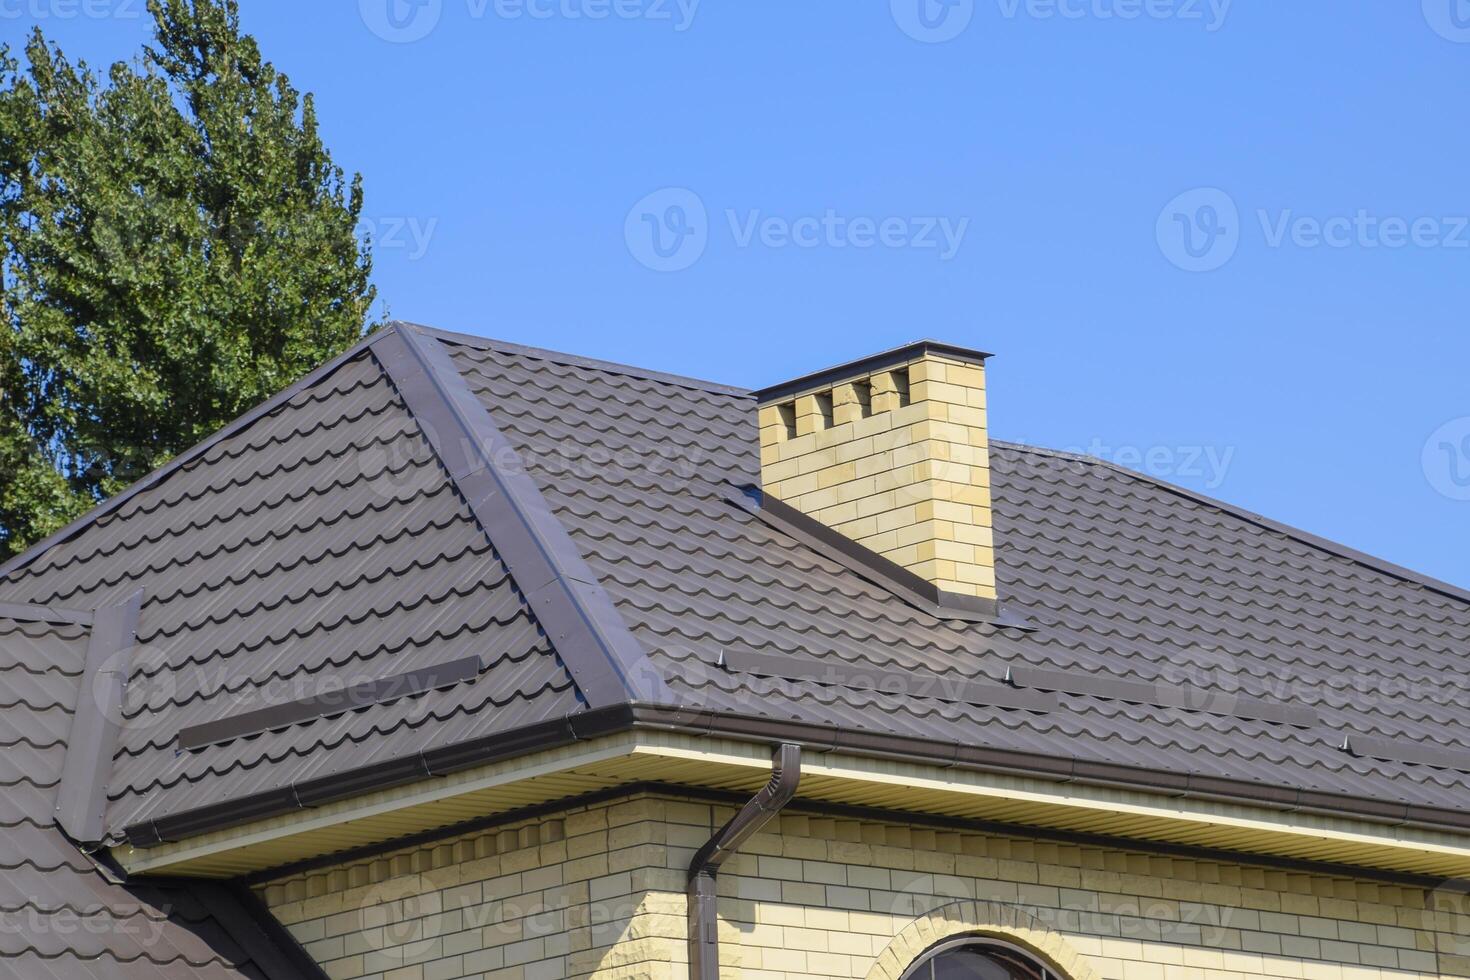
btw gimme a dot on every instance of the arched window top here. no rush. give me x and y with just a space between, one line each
970 958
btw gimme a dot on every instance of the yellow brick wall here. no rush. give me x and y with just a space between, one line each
598 892
911 483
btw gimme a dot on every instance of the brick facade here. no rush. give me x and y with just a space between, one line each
597 891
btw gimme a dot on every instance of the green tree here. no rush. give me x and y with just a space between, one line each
178 246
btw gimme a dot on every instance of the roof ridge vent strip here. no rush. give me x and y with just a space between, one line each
1401 750
330 703
81 796
899 581
590 636
886 680
1185 696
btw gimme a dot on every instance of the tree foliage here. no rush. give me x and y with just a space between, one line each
178 246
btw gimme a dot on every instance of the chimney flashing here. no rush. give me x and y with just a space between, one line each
908 479
905 585
832 376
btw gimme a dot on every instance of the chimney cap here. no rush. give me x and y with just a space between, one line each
868 365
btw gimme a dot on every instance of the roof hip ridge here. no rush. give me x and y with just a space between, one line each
607 663
576 360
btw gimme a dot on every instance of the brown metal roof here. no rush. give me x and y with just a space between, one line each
434 497
316 548
63 917
1123 577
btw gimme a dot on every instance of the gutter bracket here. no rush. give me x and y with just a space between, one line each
704 938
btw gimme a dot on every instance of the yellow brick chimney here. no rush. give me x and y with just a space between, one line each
893 452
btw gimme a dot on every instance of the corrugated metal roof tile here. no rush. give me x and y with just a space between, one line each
1125 577
62 918
320 543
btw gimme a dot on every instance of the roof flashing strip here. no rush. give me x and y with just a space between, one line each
1163 694
899 581
891 680
603 657
26 613
1400 750
81 797
330 703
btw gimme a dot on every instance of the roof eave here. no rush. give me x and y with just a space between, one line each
620 719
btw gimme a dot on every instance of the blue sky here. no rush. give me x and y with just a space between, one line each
1226 242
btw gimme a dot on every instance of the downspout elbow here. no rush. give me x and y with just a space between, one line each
704 869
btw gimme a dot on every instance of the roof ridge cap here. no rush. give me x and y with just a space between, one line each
1327 545
599 652
576 360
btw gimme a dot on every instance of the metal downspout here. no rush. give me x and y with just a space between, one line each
704 939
